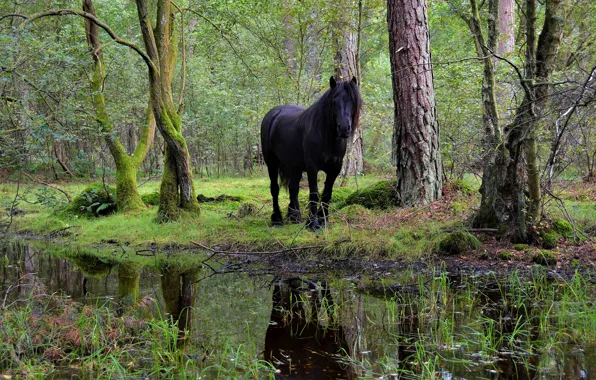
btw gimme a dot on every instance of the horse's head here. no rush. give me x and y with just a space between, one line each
345 102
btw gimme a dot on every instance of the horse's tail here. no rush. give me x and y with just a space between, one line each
283 177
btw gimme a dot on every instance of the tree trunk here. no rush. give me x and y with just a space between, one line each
506 26
346 67
514 172
177 189
127 196
416 132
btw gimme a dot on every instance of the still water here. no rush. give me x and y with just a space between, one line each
333 325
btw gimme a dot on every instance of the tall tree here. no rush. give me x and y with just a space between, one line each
177 191
416 131
127 166
512 192
345 64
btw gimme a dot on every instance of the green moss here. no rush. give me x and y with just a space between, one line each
353 213
544 258
462 187
483 255
248 208
151 198
381 195
94 201
505 255
458 242
550 240
520 247
563 227
340 195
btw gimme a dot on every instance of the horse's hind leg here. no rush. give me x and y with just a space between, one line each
273 168
294 207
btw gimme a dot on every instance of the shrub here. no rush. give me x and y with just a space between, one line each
458 242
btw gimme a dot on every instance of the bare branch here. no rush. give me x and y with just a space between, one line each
105 27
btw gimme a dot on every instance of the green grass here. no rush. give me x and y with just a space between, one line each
220 225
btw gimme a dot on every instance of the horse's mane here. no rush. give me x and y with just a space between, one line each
321 107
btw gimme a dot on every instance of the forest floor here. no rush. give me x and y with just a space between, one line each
355 236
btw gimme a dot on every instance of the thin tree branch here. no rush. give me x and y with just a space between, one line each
105 27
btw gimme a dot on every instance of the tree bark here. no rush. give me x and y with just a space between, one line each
514 178
416 131
177 191
127 166
346 67
506 26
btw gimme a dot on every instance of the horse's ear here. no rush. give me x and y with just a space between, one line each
332 82
354 80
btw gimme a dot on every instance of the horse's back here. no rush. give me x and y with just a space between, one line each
281 133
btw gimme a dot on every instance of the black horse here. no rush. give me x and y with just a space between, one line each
297 140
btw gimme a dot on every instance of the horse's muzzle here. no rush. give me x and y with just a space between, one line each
344 132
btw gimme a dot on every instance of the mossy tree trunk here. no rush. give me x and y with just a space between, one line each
127 166
161 44
512 179
416 131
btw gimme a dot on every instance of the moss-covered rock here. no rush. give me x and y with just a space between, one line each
381 195
248 208
353 213
96 200
562 227
545 258
458 242
550 240
340 194
151 198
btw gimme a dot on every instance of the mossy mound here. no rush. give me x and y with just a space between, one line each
520 247
545 258
248 208
93 266
151 198
461 187
340 194
505 255
353 213
563 227
96 200
550 240
458 242
381 195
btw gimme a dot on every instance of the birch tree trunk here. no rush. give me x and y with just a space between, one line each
416 131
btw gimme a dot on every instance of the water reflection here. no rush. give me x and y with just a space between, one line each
303 340
179 289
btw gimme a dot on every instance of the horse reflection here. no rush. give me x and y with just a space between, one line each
303 340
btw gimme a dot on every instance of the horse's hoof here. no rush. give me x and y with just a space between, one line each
276 221
295 219
313 226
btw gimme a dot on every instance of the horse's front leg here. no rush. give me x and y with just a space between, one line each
323 213
313 200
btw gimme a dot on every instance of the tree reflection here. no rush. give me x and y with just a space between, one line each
179 293
304 340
